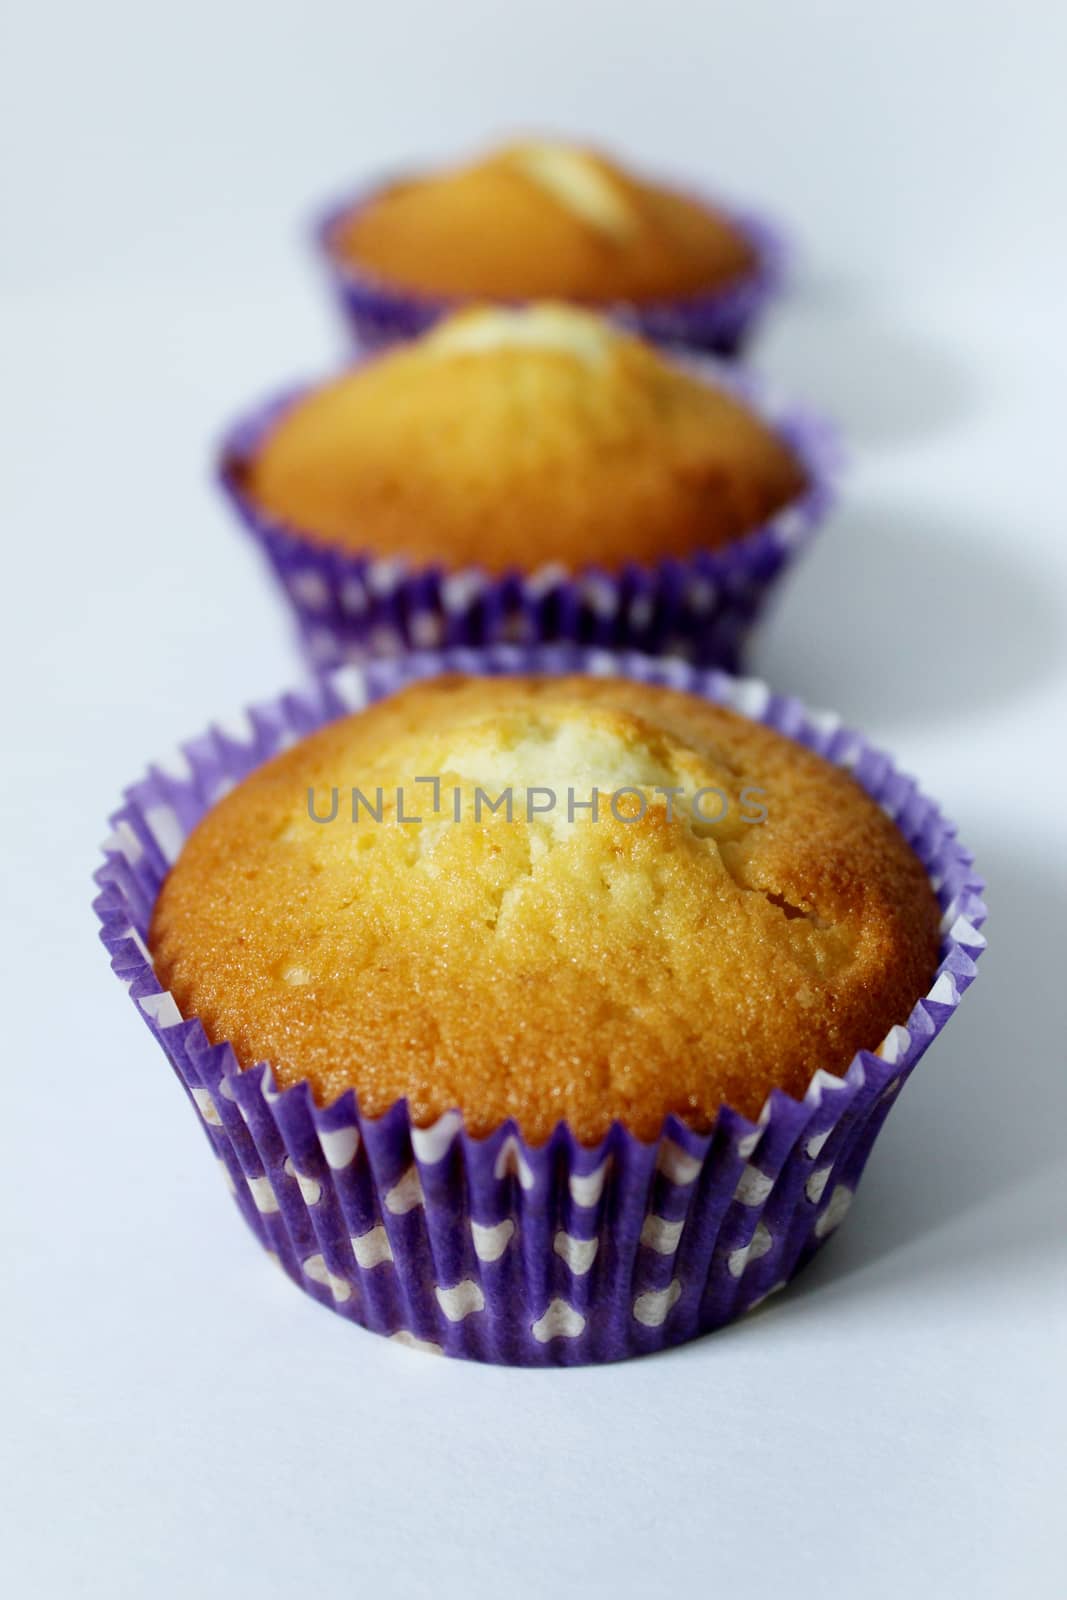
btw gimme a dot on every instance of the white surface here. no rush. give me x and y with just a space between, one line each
177 1418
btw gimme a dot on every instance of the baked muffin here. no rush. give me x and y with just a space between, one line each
738 914
537 968
551 220
542 220
519 439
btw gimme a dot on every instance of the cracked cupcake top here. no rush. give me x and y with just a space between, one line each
542 219
518 439
547 898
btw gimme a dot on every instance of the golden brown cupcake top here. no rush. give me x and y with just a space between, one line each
669 955
540 220
518 439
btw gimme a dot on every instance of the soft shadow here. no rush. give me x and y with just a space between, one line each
886 384
979 1124
904 615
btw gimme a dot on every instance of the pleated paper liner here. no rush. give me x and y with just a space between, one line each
491 1248
350 607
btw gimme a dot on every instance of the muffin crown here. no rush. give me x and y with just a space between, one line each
548 899
539 219
517 439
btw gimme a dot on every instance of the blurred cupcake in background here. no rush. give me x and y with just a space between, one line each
526 476
550 220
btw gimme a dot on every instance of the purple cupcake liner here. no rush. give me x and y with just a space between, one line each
352 607
719 322
491 1248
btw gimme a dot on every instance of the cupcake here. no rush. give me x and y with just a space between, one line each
539 1016
550 220
526 475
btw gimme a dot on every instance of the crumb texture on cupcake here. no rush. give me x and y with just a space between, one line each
541 219
517 439
670 954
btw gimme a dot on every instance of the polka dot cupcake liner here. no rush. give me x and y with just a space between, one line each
351 607
719 322
491 1248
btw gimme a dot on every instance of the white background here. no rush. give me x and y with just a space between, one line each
178 1420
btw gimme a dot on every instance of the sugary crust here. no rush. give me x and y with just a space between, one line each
522 454
546 970
511 227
